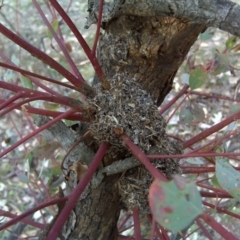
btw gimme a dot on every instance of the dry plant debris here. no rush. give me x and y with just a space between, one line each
130 109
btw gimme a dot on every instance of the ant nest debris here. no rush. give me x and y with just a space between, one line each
126 106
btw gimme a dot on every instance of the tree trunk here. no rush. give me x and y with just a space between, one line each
149 50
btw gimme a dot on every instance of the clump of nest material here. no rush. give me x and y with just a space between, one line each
126 106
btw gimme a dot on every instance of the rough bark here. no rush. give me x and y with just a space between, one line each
97 212
149 49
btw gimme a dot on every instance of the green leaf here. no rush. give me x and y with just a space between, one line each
230 127
26 82
230 43
195 161
54 173
234 108
70 122
51 106
54 25
197 77
221 64
191 113
29 159
22 177
207 35
197 112
228 177
215 181
185 78
174 207
185 116
15 59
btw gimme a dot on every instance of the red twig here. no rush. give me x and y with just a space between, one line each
205 231
197 154
178 106
25 220
171 102
216 190
33 79
211 130
27 73
29 212
83 43
218 227
221 210
140 155
215 195
45 126
136 221
59 42
48 113
63 216
97 34
212 95
164 233
80 106
153 226
82 87
4 104
123 222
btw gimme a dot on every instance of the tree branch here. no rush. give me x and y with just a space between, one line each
222 14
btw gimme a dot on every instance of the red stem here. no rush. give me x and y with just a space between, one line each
171 102
4 104
71 203
197 154
49 113
59 42
217 227
178 106
140 155
45 126
196 170
221 210
27 73
153 226
205 231
29 212
215 194
18 104
164 233
35 81
80 39
213 96
216 190
42 56
136 222
97 34
211 130
80 106
25 220
123 222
